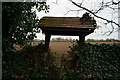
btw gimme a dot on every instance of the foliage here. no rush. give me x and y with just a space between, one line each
19 25
97 61
59 39
88 40
28 63
19 22
101 40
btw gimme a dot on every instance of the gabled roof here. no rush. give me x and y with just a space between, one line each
70 22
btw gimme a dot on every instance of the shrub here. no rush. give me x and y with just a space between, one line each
27 63
96 61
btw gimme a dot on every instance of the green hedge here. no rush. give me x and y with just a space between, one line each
23 64
96 61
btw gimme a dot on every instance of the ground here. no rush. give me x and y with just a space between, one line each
60 48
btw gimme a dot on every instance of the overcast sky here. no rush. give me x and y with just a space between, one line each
58 8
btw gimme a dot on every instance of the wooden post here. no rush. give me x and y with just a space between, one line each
47 53
47 41
81 39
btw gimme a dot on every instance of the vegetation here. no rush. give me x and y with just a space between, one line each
102 40
99 61
100 8
28 63
19 22
19 25
59 39
88 40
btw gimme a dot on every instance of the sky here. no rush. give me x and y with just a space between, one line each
59 8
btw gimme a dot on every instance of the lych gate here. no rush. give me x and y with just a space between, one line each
72 26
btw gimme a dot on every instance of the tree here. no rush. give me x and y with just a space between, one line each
19 25
104 4
19 22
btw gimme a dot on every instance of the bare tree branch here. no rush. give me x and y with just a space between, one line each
81 3
72 10
101 7
108 21
107 5
115 3
110 32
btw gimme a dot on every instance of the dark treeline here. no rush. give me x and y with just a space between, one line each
102 40
59 39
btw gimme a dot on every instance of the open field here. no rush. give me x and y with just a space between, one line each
60 48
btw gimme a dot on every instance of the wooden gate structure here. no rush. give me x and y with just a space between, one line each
70 26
